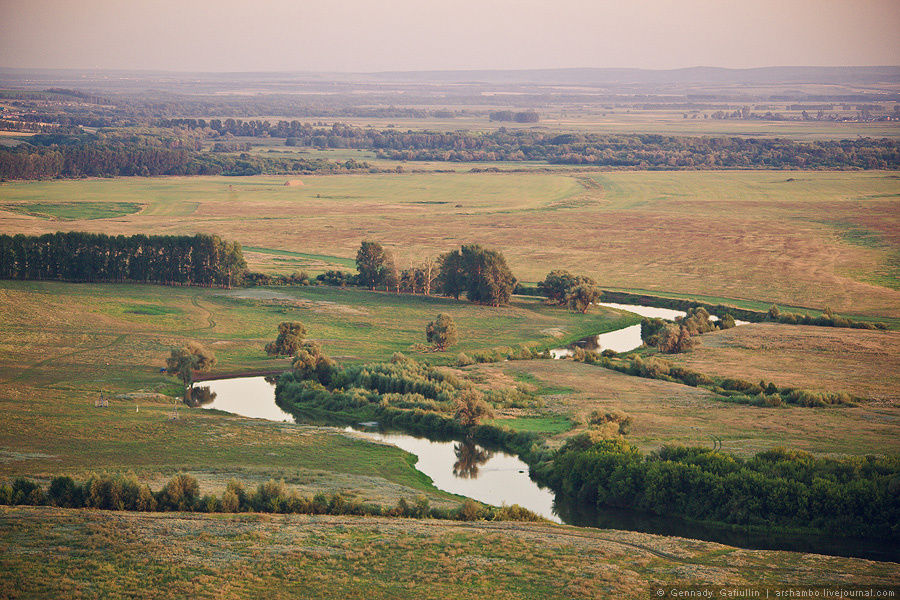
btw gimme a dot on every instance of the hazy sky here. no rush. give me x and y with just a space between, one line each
373 35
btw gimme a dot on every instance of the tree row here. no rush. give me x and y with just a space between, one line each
77 256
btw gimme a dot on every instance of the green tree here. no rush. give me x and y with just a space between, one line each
451 277
675 338
180 493
370 260
441 332
556 285
290 336
488 278
388 275
582 296
183 362
311 363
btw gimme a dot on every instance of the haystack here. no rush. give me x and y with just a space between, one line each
293 182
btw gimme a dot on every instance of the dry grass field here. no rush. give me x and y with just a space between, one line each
671 413
859 362
141 555
810 239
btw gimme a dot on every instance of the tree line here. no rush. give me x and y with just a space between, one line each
481 273
607 150
827 319
122 159
182 494
200 259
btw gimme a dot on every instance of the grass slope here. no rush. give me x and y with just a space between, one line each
146 555
62 344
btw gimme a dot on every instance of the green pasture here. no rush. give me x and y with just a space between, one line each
63 344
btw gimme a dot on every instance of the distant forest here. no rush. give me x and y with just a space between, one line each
176 147
643 151
61 159
206 260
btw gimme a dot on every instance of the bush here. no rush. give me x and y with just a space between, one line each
180 493
621 420
463 360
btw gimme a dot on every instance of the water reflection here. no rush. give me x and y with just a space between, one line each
468 458
247 396
200 396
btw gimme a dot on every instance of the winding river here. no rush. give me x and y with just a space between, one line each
498 478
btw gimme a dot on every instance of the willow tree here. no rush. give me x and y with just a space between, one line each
185 361
581 297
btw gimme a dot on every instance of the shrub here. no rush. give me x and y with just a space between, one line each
463 360
180 493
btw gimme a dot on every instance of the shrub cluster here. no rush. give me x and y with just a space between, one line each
182 493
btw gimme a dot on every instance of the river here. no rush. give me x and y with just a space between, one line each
498 478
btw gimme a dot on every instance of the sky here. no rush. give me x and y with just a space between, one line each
402 35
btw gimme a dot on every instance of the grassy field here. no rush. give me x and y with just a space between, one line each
864 363
140 555
811 239
62 344
670 413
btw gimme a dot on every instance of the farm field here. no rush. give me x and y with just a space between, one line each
62 344
811 239
670 413
287 556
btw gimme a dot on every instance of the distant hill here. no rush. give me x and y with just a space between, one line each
688 76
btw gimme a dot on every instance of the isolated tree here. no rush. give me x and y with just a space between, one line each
582 296
451 276
184 361
290 336
556 285
441 332
471 408
369 262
